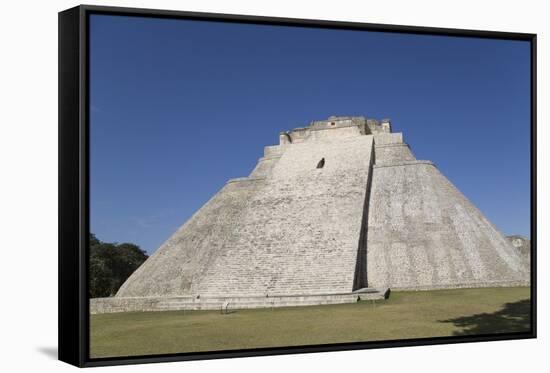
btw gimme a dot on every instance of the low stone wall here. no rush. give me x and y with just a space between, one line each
473 285
118 304
130 304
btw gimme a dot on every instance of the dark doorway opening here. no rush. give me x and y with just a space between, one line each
321 163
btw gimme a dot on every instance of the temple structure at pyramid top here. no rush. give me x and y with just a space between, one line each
363 125
339 207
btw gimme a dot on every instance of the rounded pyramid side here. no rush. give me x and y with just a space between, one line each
423 233
177 266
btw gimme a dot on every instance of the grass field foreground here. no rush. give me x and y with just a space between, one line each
404 315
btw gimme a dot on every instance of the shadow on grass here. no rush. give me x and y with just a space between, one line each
513 317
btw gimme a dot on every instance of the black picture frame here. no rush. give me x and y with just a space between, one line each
74 224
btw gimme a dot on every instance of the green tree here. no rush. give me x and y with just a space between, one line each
110 265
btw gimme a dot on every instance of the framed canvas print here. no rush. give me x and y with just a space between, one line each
236 186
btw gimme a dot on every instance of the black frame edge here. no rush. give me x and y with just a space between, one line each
533 175
73 202
359 346
70 258
304 22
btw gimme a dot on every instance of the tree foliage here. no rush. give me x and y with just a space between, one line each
111 264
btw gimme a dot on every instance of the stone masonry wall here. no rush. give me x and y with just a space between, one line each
289 228
301 231
182 259
424 234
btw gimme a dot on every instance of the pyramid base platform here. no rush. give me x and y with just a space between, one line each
226 304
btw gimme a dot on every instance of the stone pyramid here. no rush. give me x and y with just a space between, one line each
337 206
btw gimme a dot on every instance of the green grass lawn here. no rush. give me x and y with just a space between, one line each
404 315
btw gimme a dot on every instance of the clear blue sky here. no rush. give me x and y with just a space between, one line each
178 107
